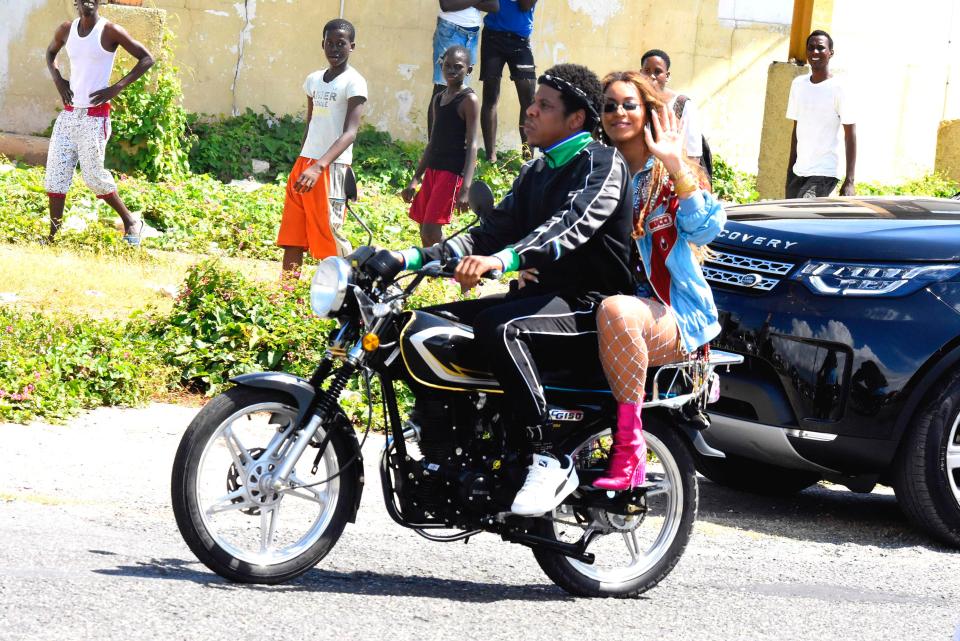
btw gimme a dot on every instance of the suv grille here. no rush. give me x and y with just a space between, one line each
746 272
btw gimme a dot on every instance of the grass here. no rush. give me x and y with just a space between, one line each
59 280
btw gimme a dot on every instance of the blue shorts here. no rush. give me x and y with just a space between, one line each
445 36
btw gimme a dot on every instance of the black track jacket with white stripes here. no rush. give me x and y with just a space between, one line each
572 223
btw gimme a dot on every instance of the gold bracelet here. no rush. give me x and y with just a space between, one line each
685 184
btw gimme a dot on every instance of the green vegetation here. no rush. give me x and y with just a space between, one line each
225 148
935 185
731 185
149 119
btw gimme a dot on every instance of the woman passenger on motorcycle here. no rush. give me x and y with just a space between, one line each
674 217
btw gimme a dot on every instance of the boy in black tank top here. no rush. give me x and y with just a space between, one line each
450 158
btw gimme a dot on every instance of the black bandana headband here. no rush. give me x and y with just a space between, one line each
576 93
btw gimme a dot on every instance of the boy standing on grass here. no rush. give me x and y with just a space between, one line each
82 129
314 205
450 158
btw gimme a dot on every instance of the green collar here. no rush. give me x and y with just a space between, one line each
563 152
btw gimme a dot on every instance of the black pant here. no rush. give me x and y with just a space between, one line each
502 47
810 186
516 331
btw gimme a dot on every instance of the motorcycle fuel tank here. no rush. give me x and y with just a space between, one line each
441 353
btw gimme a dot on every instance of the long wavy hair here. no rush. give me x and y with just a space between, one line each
653 100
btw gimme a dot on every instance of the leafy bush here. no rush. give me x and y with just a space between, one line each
936 185
223 325
226 148
149 120
732 185
54 367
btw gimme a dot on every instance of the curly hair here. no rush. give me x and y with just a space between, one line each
656 53
339 24
584 80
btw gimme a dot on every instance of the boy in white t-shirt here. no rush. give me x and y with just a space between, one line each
314 206
819 106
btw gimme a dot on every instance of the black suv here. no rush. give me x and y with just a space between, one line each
847 313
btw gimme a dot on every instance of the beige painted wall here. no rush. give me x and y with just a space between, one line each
777 130
235 54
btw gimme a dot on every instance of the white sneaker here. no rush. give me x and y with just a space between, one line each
548 483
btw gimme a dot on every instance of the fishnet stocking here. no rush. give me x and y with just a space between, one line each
635 333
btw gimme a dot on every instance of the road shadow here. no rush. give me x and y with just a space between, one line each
824 514
175 569
361 583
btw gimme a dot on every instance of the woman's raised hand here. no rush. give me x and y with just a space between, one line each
666 141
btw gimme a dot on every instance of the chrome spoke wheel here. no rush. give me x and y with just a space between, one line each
238 504
627 546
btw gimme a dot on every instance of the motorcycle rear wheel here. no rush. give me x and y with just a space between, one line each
230 517
633 553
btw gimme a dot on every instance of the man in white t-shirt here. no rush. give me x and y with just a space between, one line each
314 206
819 106
458 23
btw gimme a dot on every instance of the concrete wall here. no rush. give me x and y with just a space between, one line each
777 130
235 54
948 149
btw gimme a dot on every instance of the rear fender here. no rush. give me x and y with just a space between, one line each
303 393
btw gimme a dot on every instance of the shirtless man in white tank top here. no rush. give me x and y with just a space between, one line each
82 129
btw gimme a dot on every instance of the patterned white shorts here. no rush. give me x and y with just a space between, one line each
78 137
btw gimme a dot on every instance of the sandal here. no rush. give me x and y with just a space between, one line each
133 238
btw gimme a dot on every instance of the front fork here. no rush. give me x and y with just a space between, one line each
320 409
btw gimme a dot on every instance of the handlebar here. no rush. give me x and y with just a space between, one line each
447 270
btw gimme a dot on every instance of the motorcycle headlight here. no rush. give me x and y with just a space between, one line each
329 286
863 279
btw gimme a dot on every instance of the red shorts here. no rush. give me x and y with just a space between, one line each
434 203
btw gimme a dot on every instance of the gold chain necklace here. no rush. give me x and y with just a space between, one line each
658 178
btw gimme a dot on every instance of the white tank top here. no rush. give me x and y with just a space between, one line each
90 63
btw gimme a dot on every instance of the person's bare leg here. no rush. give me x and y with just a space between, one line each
525 92
128 220
635 333
292 261
56 216
431 234
488 117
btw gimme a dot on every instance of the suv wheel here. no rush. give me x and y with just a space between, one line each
753 476
927 467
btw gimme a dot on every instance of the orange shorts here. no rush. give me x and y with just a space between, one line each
306 217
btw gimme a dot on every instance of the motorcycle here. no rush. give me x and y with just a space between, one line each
450 469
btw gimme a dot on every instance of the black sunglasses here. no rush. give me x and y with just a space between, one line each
611 107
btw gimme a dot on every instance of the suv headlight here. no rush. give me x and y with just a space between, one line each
863 279
329 286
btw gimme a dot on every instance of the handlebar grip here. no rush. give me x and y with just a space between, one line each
493 274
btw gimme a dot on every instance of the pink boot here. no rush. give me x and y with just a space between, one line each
628 456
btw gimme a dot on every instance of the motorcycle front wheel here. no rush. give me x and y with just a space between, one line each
633 553
226 509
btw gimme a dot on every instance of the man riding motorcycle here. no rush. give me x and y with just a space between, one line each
568 216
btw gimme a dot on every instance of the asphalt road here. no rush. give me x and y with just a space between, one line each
90 551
